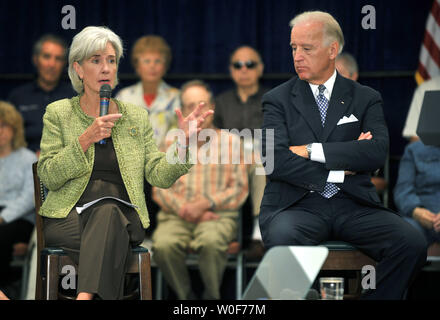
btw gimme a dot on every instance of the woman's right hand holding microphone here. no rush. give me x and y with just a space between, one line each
101 128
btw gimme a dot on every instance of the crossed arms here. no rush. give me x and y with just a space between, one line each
365 153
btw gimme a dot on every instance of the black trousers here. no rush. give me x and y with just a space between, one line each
398 247
11 233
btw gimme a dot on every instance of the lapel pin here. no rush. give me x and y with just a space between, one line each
342 102
133 131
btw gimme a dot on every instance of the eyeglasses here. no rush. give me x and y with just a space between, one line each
249 64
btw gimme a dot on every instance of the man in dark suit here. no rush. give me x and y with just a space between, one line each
329 134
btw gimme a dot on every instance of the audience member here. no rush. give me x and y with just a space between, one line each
417 191
49 59
240 108
151 58
17 214
412 119
199 212
347 66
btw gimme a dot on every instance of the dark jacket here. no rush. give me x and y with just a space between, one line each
290 109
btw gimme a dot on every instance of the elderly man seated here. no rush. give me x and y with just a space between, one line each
199 212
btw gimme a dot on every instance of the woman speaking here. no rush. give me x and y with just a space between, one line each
76 169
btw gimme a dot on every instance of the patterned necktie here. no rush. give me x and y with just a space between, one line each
330 189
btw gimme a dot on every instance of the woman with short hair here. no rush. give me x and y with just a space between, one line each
77 170
151 58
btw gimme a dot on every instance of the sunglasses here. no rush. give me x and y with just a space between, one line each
239 64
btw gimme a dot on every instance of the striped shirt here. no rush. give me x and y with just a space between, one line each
225 184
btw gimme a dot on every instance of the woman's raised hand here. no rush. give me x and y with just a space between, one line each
196 116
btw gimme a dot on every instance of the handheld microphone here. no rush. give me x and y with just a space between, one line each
104 98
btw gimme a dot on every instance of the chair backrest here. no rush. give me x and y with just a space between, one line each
39 196
240 228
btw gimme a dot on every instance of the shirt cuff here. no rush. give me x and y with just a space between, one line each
317 153
336 176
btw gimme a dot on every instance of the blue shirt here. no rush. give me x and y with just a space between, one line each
418 184
17 186
31 101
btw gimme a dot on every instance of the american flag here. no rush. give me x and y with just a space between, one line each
429 60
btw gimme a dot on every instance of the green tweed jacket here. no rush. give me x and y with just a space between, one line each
65 169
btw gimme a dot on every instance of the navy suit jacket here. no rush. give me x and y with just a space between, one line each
291 110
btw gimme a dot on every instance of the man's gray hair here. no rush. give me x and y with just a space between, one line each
49 38
332 29
349 62
85 44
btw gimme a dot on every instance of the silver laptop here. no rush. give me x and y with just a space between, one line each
286 273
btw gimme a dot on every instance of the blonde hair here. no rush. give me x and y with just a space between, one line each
10 116
151 43
85 44
332 29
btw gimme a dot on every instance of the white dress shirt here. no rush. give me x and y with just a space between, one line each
317 154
